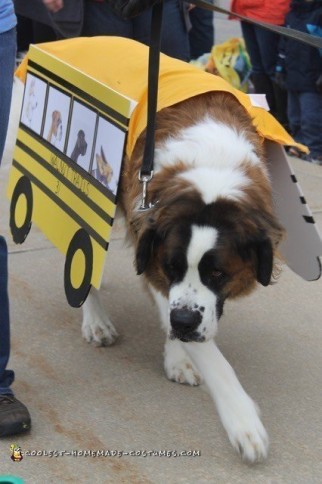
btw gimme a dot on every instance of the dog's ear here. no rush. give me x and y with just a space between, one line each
259 250
270 237
264 255
144 249
262 246
103 156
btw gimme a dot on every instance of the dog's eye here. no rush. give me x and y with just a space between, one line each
175 268
171 268
216 274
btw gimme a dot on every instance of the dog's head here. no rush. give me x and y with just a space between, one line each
198 255
104 168
81 142
57 125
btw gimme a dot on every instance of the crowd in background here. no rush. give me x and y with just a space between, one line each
289 72
286 71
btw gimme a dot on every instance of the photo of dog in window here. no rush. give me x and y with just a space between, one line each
103 172
57 113
108 151
55 132
33 103
81 135
80 146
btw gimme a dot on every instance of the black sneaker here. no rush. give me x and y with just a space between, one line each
14 416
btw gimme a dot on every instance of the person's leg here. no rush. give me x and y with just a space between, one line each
267 43
6 376
294 114
7 65
250 38
260 78
24 33
14 416
268 47
294 122
100 19
311 122
280 97
175 39
261 81
43 33
202 33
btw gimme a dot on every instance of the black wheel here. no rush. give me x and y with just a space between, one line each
23 188
80 242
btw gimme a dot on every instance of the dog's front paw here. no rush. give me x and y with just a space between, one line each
246 431
178 366
183 372
99 332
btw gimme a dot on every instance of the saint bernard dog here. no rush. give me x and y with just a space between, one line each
210 235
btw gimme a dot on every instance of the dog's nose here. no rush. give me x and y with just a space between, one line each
184 320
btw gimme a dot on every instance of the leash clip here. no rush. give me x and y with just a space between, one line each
144 179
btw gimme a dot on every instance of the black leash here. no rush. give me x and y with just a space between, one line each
146 172
304 37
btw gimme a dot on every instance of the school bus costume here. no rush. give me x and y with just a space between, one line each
109 74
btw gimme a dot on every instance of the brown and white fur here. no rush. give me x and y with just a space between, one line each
211 236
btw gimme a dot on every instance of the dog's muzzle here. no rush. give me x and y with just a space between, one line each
184 324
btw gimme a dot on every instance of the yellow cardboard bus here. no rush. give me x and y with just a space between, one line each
66 166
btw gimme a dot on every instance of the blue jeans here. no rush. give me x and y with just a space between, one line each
6 376
7 66
202 33
262 47
99 19
305 119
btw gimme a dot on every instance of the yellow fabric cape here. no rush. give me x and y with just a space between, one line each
122 64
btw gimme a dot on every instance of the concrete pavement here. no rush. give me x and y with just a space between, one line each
83 398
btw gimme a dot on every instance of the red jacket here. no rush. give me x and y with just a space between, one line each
270 11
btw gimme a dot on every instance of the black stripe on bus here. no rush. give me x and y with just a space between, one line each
79 92
101 188
81 222
309 219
